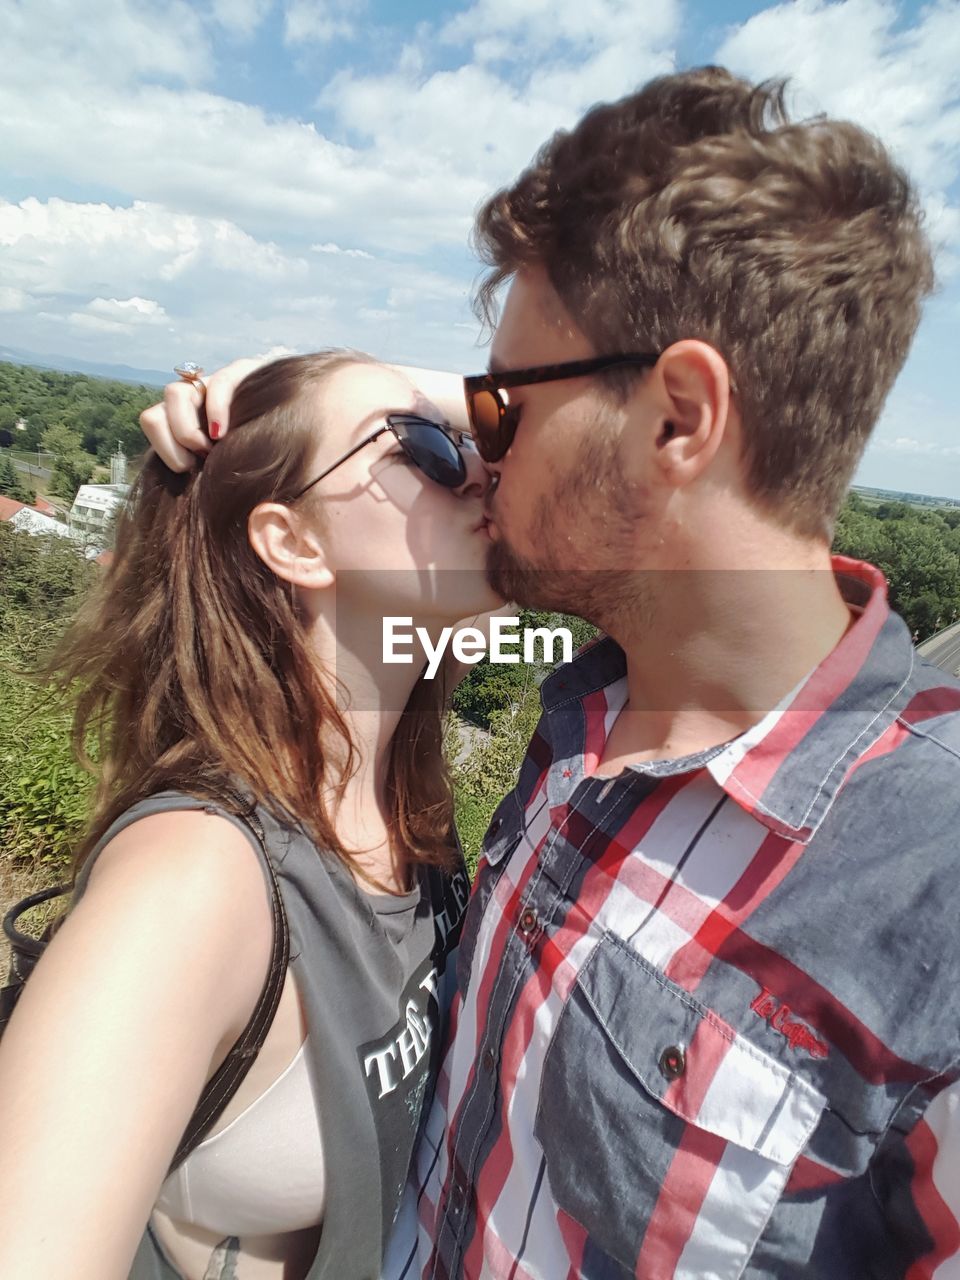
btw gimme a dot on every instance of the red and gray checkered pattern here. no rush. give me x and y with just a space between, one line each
709 1012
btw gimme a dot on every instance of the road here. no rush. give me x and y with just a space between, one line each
40 473
943 649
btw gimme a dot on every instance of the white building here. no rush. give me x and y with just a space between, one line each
93 509
28 520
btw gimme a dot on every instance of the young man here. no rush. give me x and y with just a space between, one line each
709 1011
708 1020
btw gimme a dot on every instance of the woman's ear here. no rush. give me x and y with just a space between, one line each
292 551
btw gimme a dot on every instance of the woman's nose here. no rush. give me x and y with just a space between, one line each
478 477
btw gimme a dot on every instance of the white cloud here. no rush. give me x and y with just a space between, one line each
335 248
855 59
306 304
241 17
858 60
64 246
159 285
133 310
431 144
12 299
533 69
107 42
316 21
84 321
258 229
276 353
221 158
908 444
504 29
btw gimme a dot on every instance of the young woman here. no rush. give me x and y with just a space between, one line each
236 650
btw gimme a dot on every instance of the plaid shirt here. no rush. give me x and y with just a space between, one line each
708 1021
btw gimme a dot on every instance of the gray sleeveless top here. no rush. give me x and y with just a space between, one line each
375 986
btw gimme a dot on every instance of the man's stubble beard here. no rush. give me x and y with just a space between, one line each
589 519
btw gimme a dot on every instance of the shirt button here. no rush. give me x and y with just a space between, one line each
457 1198
494 826
673 1062
489 1061
528 922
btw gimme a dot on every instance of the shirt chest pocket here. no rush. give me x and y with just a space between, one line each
668 1137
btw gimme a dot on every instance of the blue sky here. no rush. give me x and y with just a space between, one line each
248 176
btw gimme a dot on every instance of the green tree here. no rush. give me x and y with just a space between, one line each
35 425
490 770
918 552
857 533
72 467
893 510
101 410
492 687
919 564
12 485
43 577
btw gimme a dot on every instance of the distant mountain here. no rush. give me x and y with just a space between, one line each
68 364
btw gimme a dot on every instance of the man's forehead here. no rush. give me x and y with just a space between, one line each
533 316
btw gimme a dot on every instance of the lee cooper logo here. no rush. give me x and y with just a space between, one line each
799 1036
471 645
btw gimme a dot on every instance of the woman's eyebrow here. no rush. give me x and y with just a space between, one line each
375 420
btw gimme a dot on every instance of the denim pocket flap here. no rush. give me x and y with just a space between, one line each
695 1064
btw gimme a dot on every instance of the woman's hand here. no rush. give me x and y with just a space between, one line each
184 423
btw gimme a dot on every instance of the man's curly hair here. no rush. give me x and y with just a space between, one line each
696 209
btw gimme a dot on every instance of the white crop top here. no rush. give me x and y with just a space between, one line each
263 1174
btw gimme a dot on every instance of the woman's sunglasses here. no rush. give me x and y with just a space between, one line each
494 420
433 448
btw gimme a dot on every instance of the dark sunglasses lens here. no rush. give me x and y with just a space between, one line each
432 450
485 420
493 430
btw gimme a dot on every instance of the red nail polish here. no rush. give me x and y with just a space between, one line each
214 430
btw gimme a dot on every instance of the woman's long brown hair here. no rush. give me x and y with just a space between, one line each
190 664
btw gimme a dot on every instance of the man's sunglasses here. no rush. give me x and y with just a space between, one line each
494 420
433 448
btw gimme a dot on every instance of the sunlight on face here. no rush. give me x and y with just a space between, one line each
398 541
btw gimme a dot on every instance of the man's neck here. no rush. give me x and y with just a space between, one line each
723 646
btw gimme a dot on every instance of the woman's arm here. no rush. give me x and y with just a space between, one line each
134 1004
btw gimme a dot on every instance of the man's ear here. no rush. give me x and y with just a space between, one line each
695 403
293 552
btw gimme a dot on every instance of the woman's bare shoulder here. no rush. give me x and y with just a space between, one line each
191 875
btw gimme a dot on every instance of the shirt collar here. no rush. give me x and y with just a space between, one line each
787 769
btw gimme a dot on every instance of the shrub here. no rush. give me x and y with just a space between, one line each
44 794
490 771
